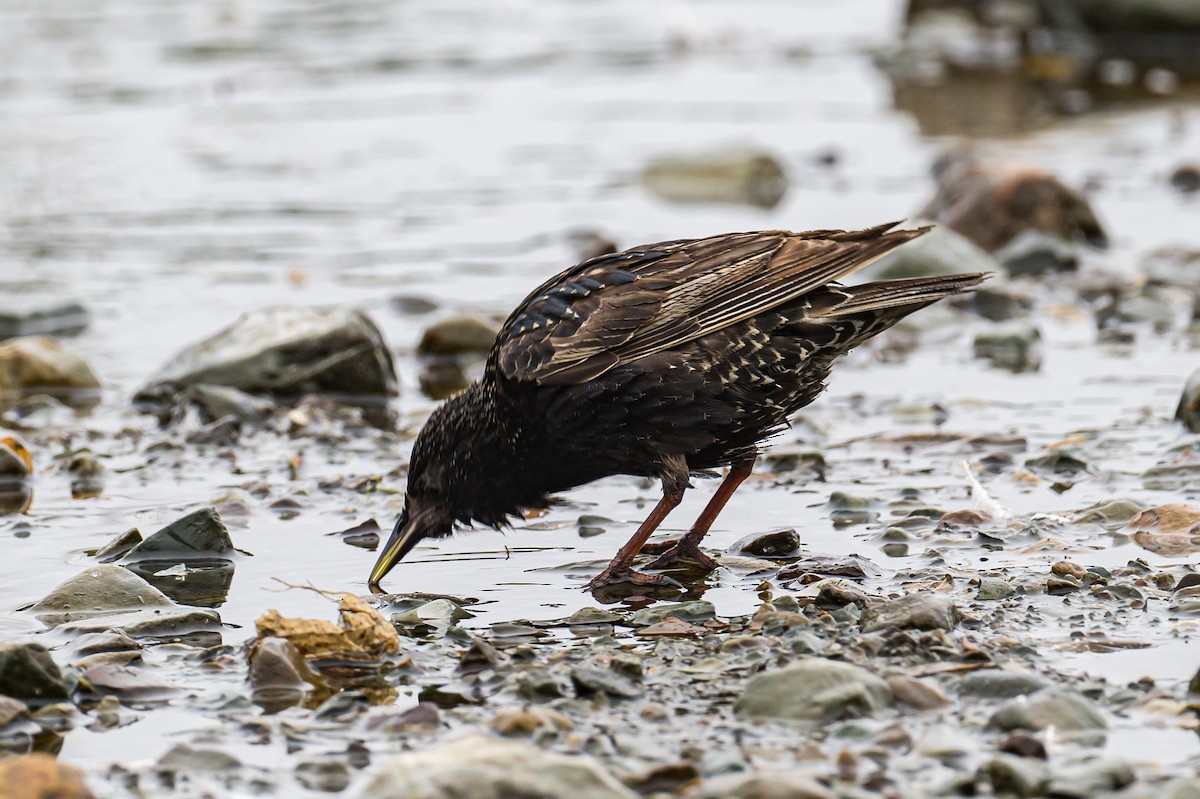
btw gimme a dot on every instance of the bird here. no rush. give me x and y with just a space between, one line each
667 361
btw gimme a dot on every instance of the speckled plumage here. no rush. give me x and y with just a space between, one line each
663 360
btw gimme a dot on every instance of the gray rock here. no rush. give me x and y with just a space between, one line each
483 767
738 176
35 315
200 534
925 610
992 588
111 597
213 403
1000 684
1062 709
327 776
1099 779
694 611
284 352
1036 253
941 251
40 365
12 711
183 758
781 543
764 784
1185 179
279 676
1022 777
1188 410
916 693
1113 513
1014 346
458 335
1183 789
814 689
606 681
999 303
28 673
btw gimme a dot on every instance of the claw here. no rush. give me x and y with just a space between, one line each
610 577
682 550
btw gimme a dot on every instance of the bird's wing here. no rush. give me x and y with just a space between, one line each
621 307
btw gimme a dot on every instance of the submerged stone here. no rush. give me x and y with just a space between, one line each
25 315
458 335
814 689
485 767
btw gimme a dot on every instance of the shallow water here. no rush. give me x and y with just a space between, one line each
174 166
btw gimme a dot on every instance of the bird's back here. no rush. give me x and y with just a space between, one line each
698 348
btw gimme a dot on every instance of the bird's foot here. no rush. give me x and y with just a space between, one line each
610 577
683 549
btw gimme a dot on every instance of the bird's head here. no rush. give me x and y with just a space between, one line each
429 510
456 475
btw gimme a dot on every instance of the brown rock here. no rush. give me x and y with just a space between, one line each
40 776
991 204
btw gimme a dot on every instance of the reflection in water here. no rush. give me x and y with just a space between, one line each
982 69
201 583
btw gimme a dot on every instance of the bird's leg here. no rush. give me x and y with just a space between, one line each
620 569
688 547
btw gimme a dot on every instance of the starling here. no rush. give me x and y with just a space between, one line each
667 360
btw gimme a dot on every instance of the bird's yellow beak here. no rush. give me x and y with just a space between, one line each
404 537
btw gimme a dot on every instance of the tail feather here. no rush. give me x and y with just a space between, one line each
916 292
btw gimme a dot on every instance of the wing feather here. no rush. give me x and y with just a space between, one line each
621 307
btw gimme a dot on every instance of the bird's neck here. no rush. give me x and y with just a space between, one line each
495 469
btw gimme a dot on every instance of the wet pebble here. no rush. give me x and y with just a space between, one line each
1010 775
40 776
485 767
762 784
916 693
119 545
279 676
198 534
458 335
1185 179
284 352
781 543
87 476
109 597
1060 708
993 588
1014 347
589 680
739 176
12 711
184 758
29 673
814 689
326 776
528 721
1033 253
32 315
1188 409
1000 684
40 364
924 610
941 251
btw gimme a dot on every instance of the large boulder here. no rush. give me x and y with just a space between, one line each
284 352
